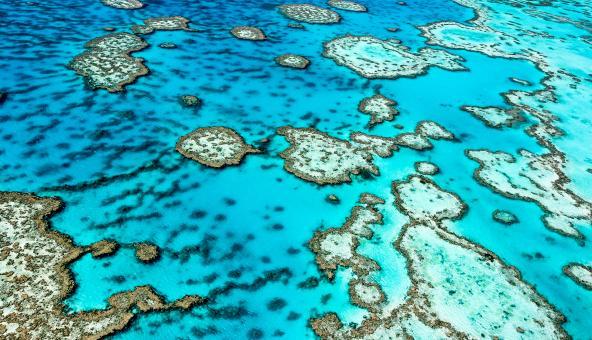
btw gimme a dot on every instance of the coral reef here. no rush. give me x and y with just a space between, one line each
380 109
504 217
189 100
214 146
309 13
123 4
147 252
371 57
162 24
347 5
103 248
426 168
107 63
293 61
35 279
581 274
535 178
317 157
495 117
458 289
248 33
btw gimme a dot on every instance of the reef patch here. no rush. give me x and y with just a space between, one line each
380 109
174 23
535 178
123 4
458 289
495 117
426 168
35 279
107 63
372 58
317 157
504 217
347 5
215 146
147 252
248 33
310 14
293 61
581 274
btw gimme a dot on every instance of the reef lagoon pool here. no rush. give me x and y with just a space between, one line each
331 169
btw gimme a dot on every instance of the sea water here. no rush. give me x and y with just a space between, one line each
111 158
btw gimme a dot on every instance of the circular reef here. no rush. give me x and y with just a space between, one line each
293 61
215 146
310 14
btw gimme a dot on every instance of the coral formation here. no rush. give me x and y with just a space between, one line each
248 33
317 157
535 178
147 252
189 100
309 13
347 5
380 109
123 4
174 23
504 217
495 117
214 146
35 279
581 274
103 248
293 61
458 289
426 168
371 57
107 63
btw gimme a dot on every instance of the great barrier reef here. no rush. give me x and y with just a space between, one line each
329 169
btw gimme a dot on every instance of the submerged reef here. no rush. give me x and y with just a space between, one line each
248 33
423 200
162 24
189 100
310 14
215 146
147 252
517 35
371 57
293 61
495 117
107 63
458 289
381 146
504 217
581 274
426 168
317 157
103 248
347 5
123 4
35 279
535 178
420 138
337 246
380 109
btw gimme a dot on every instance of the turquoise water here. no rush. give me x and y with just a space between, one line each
239 235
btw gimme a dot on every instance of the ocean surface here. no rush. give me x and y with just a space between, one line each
239 234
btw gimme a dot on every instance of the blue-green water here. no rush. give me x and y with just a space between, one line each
111 158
